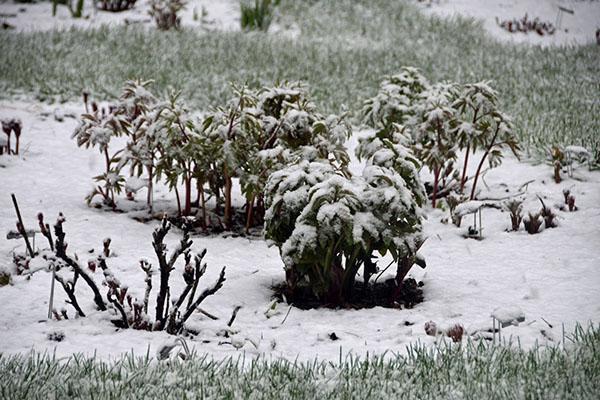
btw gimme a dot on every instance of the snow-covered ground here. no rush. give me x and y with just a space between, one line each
552 277
574 29
202 14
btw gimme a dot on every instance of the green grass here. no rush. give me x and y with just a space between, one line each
346 47
470 371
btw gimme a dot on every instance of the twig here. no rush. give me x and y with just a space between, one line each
51 300
204 295
526 184
381 273
547 323
209 315
233 315
21 227
286 314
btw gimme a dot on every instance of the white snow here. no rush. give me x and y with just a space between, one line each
552 276
578 151
220 15
468 207
134 184
510 315
575 29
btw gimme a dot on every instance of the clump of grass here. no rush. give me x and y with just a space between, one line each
257 15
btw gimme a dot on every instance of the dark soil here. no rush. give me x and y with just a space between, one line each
380 294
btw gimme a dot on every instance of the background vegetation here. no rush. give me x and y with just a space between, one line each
343 51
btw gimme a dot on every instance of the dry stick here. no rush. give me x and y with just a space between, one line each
209 315
233 315
382 271
24 232
47 233
547 323
286 315
204 295
51 300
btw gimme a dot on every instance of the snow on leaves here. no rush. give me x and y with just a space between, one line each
439 119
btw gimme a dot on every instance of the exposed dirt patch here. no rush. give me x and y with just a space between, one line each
381 294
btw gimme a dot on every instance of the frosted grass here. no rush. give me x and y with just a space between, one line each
345 48
469 371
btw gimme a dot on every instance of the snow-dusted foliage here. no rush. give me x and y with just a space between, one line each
482 126
254 134
128 117
438 120
260 132
434 123
395 99
328 224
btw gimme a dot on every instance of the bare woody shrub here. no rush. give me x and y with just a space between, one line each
130 311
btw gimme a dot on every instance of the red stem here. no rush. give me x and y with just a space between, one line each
464 173
436 176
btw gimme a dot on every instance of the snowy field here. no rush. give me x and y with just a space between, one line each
575 24
551 279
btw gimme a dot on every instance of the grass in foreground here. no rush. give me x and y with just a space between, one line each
470 371
343 51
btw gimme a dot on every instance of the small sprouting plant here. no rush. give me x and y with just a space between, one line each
454 201
5 277
515 208
533 223
569 200
165 12
257 15
456 333
571 203
548 215
9 126
115 5
558 160
74 7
